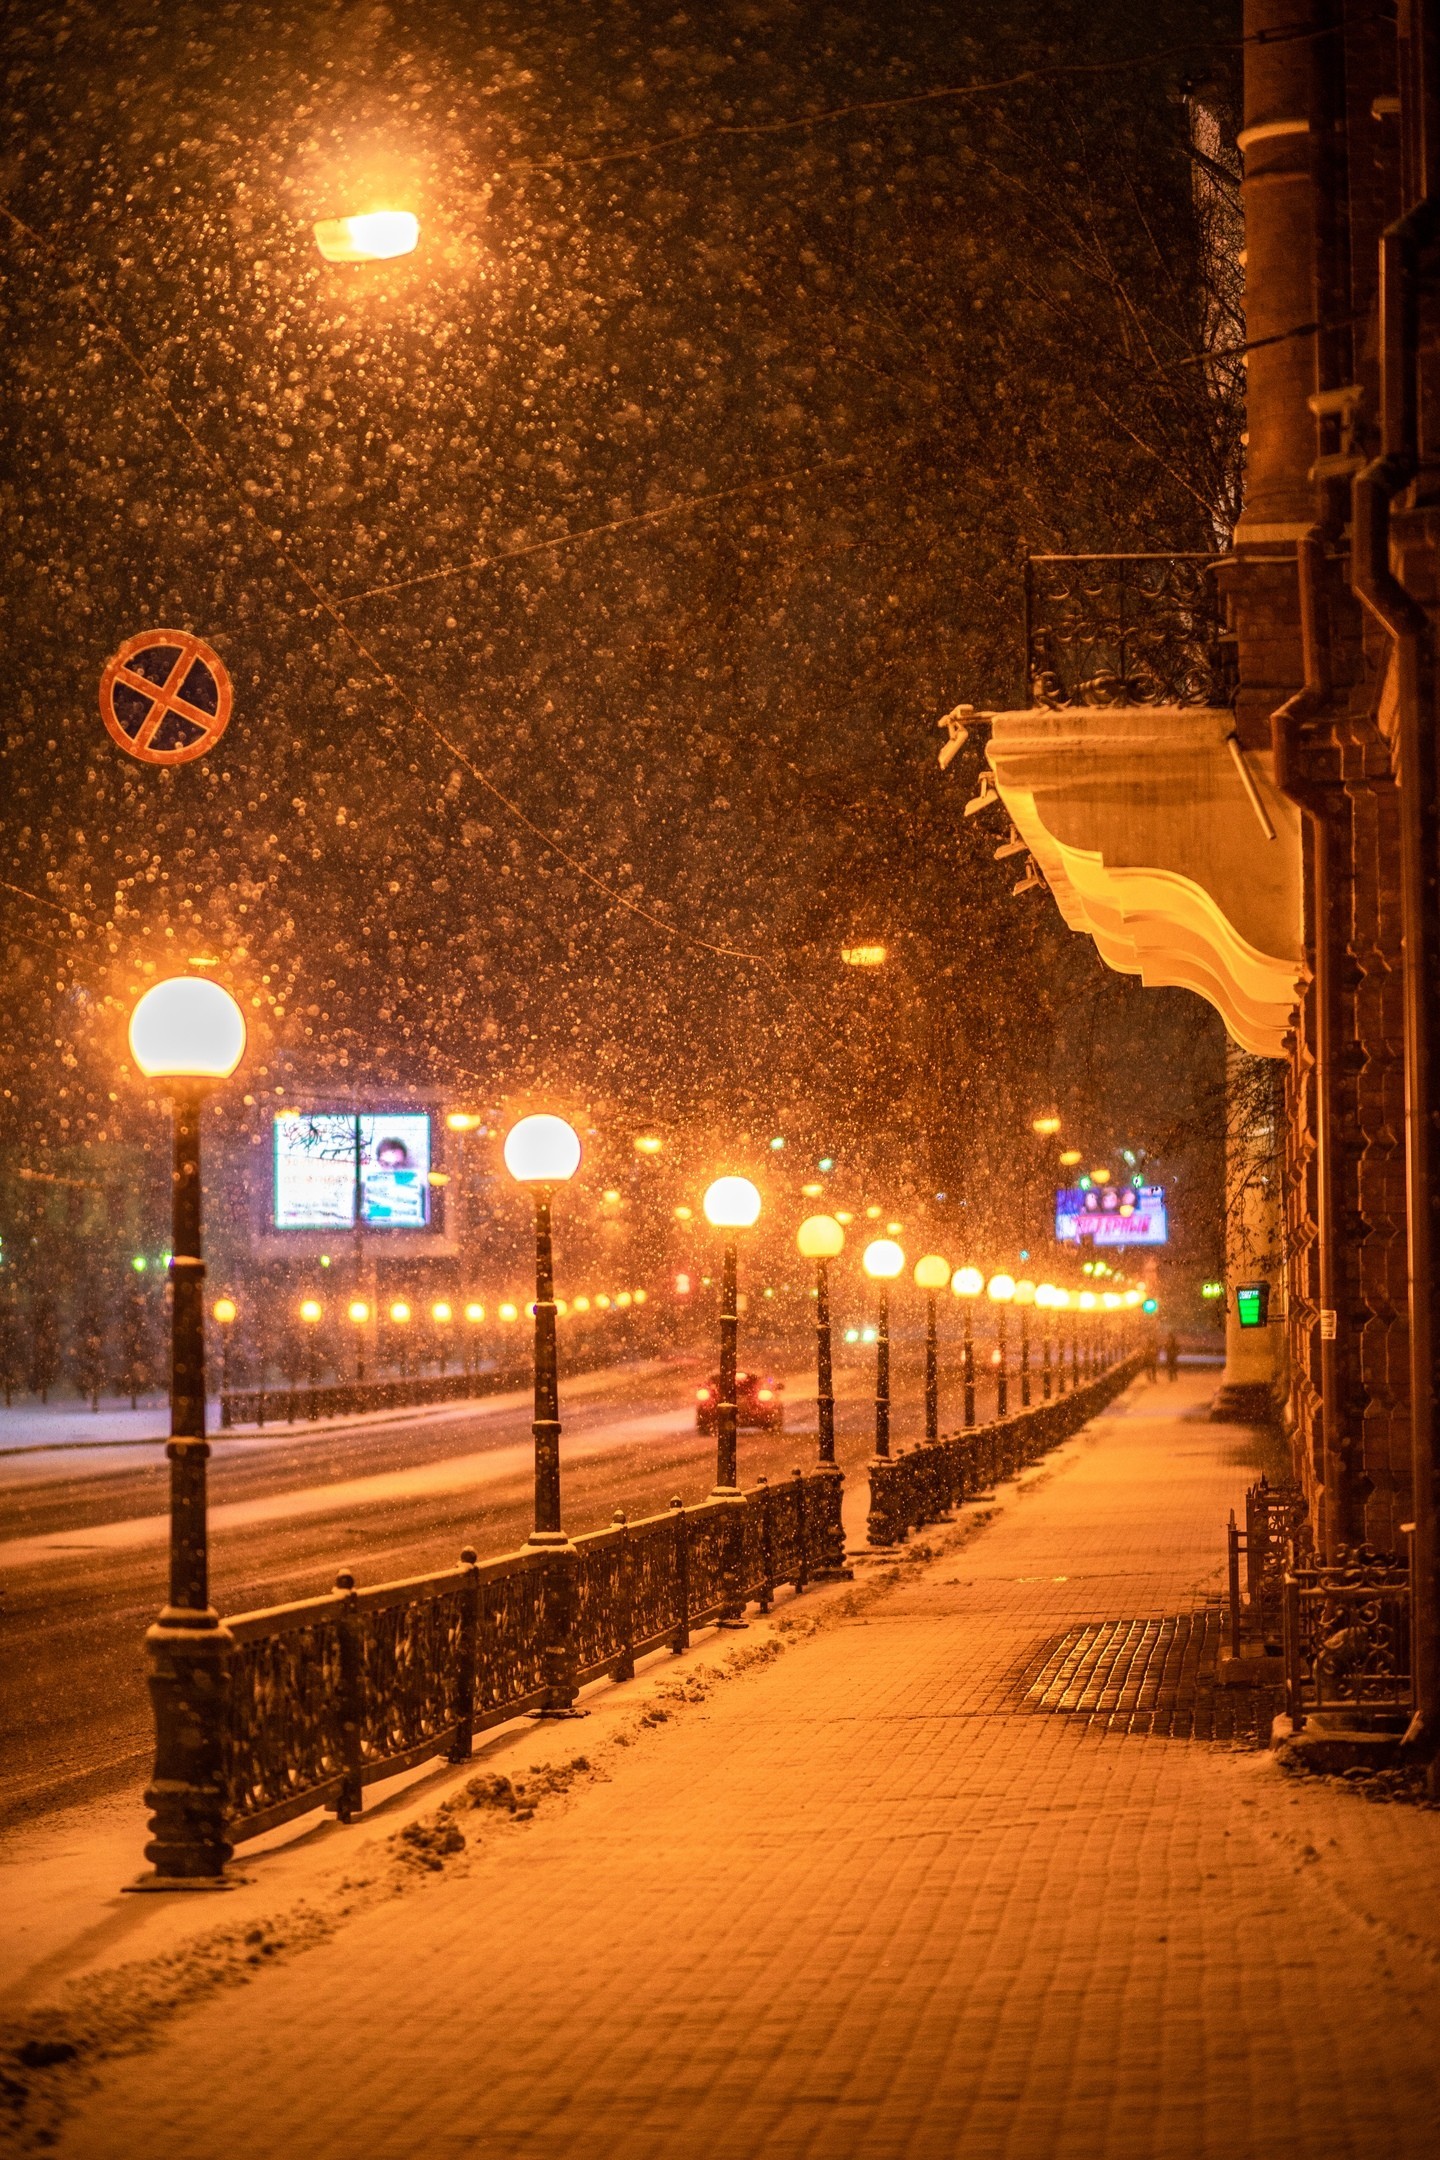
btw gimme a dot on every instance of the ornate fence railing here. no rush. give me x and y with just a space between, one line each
320 1698
923 1484
1346 1631
350 1398
1275 1536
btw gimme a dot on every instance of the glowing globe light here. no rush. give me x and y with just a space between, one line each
440 1311
1046 1125
1111 1301
648 1143
359 1311
932 1271
1026 1293
1070 1157
474 1312
542 1150
509 1312
820 1237
377 236
602 1303
640 1296
224 1310
1045 1295
462 1121
1001 1289
582 1304
187 1028
967 1282
311 1310
400 1312
622 1298
1088 1301
883 1259
732 1203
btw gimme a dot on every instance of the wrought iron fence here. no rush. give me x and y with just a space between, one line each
1276 1536
322 1697
1125 630
925 1483
347 1398
1347 1638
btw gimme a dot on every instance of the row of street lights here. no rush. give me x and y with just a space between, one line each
188 1033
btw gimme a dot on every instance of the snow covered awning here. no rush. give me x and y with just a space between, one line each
1155 838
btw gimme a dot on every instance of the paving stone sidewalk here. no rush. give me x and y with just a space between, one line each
866 1898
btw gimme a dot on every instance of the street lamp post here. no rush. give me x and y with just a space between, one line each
311 1312
223 1313
932 1272
543 1152
967 1284
188 1033
883 1261
1045 1300
821 1239
1025 1298
1001 1289
1087 1332
359 1314
731 1204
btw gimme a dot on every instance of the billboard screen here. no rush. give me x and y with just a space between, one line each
1112 1215
321 1156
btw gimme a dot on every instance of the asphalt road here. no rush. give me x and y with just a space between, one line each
83 1558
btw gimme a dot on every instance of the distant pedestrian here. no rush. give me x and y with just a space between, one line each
1172 1355
1152 1358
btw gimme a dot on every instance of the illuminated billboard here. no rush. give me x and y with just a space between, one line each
323 1158
1112 1215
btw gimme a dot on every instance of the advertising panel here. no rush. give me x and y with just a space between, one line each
1112 1215
323 1156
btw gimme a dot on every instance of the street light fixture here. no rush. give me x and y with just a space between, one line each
1000 1290
188 1033
967 1284
821 1239
542 1152
730 1204
932 1273
883 1260
377 236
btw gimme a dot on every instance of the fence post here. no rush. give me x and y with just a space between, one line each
625 1663
352 1698
681 1638
802 1530
762 1498
469 1659
1233 1555
1294 1675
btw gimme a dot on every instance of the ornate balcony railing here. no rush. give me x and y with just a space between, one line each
1125 630
925 1483
322 1697
1347 1639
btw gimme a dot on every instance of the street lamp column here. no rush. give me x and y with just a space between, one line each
1025 1298
932 1272
821 1239
542 1152
1001 1290
883 1262
967 1284
187 1033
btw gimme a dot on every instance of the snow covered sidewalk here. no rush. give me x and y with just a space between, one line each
836 1886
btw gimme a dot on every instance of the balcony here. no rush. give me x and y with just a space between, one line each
1158 836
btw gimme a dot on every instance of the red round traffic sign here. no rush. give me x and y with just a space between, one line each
165 697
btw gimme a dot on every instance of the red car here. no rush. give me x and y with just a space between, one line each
757 1403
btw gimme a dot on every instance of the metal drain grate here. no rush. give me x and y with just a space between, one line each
1149 1676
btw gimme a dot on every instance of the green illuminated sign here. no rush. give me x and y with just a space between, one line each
1252 1304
